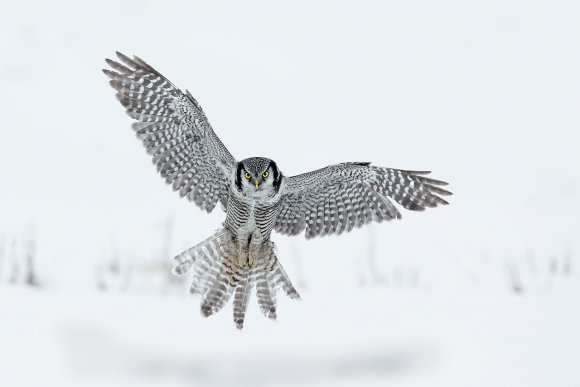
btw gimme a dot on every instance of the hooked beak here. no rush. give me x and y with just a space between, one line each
257 183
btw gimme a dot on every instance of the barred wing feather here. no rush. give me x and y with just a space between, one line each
340 197
175 131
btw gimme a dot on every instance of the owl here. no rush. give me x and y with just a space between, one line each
256 196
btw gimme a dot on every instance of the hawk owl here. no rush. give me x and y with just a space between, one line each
254 193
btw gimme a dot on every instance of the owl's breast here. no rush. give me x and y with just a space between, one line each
249 219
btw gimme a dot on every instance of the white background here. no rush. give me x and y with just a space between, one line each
485 94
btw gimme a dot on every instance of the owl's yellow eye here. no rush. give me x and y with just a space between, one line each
247 175
265 174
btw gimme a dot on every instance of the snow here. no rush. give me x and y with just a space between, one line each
334 338
482 292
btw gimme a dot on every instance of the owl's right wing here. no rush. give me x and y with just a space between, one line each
175 131
340 197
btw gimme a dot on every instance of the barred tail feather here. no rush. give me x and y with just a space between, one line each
241 297
266 298
277 278
217 296
217 275
194 254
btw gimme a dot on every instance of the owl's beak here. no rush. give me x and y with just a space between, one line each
257 183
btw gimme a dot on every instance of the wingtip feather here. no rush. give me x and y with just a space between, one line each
125 59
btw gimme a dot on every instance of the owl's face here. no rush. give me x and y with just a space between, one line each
258 176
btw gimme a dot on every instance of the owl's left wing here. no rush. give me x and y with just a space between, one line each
337 198
175 131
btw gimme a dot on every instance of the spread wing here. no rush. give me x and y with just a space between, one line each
175 131
337 198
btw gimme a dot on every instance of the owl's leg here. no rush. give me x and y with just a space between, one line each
256 249
242 254
253 255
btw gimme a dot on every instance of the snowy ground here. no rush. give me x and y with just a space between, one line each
483 292
341 338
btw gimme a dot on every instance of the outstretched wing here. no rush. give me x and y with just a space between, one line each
337 198
175 131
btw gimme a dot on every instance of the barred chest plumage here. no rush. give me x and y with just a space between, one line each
251 219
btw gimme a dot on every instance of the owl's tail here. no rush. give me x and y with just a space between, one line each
219 273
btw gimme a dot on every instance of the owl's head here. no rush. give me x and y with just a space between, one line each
258 176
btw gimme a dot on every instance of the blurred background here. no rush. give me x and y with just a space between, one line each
483 292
